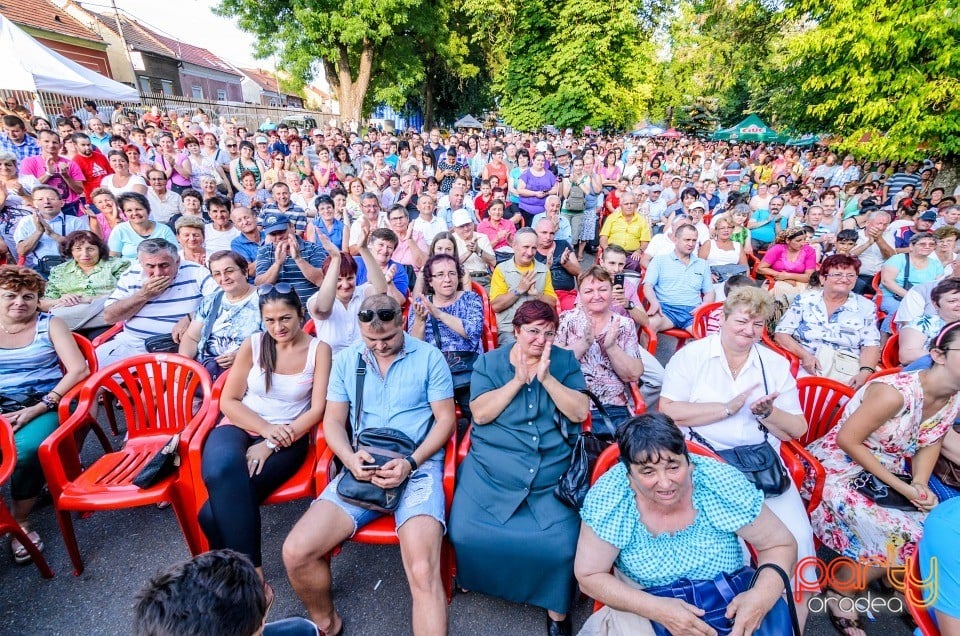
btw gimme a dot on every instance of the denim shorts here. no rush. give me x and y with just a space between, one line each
679 315
422 496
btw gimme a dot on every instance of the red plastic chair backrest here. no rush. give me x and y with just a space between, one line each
89 353
823 401
8 451
310 327
490 337
156 392
651 338
890 355
701 315
792 358
913 594
878 297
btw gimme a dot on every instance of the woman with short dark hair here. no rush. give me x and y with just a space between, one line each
504 495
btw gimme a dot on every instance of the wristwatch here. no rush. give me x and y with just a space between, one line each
49 402
630 305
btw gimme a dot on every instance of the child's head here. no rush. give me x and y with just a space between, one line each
738 280
846 241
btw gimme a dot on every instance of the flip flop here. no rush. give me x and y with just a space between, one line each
843 623
20 553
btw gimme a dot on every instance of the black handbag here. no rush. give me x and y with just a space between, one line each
384 444
572 487
874 489
161 344
17 401
715 595
460 362
758 462
160 466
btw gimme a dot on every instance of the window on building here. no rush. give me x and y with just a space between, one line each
197 92
167 87
145 86
221 95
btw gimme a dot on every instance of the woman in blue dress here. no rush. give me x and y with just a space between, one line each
513 538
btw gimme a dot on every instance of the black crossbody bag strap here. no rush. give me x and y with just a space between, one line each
438 343
361 375
214 312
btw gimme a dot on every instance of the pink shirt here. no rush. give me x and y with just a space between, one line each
37 166
403 254
490 229
776 258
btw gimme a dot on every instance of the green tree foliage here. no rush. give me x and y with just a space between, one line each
716 49
372 51
699 118
883 76
568 62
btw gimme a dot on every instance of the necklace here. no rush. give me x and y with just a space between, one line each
12 333
735 371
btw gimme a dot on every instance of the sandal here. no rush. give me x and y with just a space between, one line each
20 553
841 623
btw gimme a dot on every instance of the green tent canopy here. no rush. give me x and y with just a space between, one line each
750 129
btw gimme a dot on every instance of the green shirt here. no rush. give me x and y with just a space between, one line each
68 278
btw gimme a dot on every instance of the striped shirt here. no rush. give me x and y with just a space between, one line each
159 315
289 270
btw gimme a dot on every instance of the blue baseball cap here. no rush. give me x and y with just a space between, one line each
275 223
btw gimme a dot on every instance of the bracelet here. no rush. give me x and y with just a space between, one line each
50 404
55 393
726 411
269 443
870 369
413 463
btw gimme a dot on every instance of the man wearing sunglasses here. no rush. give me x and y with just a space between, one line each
407 387
286 258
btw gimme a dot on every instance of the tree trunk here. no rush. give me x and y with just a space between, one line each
350 92
428 102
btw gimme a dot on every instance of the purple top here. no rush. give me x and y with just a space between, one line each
534 205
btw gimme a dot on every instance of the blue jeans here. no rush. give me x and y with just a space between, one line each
617 414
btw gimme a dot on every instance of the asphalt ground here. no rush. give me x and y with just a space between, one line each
123 549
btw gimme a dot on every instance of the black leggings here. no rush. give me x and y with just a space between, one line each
231 516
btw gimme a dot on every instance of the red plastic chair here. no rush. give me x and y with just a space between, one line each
156 393
309 327
791 357
651 336
883 372
93 365
801 464
919 608
822 401
8 460
890 354
302 483
878 297
382 531
490 336
107 400
701 317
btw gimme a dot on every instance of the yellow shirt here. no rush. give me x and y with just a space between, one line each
627 235
498 284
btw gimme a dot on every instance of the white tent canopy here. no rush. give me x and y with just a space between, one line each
30 66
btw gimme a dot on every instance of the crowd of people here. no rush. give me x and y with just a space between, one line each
498 289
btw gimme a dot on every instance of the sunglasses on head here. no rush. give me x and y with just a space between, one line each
280 288
385 315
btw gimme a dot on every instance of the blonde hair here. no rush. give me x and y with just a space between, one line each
754 301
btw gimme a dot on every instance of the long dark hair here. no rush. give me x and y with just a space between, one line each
268 346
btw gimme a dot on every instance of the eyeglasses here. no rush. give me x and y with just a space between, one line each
385 315
229 271
280 288
231 145
839 276
444 275
536 333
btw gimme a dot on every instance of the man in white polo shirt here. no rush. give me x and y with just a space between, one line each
156 296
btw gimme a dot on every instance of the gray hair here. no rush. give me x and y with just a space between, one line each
369 195
153 246
875 213
377 302
9 156
524 231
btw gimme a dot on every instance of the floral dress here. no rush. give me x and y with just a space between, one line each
852 524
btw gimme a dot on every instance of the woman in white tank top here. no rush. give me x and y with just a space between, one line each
722 250
273 399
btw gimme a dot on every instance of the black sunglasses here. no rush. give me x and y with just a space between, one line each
385 315
280 288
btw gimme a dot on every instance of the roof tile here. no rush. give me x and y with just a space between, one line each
44 15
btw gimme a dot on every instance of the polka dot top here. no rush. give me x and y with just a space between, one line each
724 500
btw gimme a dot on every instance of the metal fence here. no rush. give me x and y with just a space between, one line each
249 115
